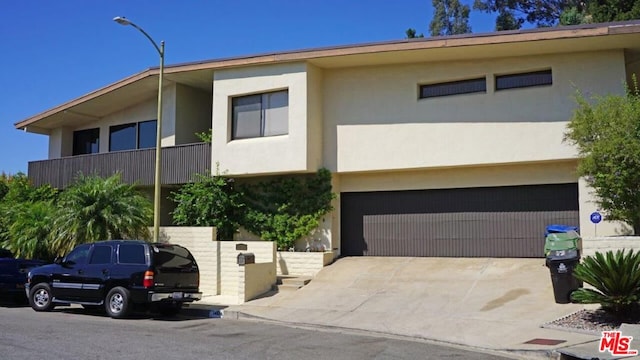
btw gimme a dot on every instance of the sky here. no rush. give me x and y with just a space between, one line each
52 52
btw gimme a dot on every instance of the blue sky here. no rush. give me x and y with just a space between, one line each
55 51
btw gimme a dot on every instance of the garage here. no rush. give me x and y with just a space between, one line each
506 221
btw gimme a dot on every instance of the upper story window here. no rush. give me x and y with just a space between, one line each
453 88
132 136
86 141
260 115
528 79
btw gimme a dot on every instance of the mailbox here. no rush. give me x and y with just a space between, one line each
246 258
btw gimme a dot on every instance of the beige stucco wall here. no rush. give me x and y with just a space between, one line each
499 175
61 139
588 206
193 113
314 117
374 121
60 142
264 155
255 279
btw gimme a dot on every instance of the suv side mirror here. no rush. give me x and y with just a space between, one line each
58 260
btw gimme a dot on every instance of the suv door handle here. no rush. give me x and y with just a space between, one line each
105 271
80 271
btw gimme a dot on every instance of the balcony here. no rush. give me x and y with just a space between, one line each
179 164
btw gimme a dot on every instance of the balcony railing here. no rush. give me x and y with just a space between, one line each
179 164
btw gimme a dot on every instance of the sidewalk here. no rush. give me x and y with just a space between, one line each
489 304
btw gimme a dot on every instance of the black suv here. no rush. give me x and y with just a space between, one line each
121 275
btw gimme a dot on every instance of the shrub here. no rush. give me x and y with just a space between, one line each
616 279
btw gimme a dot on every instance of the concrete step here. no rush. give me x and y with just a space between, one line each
291 283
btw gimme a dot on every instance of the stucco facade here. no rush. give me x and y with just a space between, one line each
358 112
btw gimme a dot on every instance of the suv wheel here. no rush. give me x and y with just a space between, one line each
40 297
117 302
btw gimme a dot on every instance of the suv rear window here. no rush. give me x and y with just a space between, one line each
131 254
172 257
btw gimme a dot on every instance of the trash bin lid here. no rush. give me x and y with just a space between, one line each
557 228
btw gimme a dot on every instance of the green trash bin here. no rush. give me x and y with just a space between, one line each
570 240
562 251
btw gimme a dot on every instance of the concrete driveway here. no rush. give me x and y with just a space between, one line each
487 303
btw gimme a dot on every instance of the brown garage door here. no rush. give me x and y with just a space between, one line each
504 221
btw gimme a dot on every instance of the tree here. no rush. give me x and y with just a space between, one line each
450 17
94 209
412 34
541 13
613 10
506 20
24 215
558 12
29 229
607 135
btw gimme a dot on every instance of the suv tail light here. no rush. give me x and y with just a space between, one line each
147 281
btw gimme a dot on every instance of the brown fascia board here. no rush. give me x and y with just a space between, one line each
502 37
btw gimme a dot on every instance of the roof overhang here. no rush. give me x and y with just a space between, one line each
144 85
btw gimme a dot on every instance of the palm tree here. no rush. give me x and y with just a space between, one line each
94 209
29 228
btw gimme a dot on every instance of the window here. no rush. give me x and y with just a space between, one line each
260 115
529 79
86 141
132 136
101 255
132 254
453 88
78 255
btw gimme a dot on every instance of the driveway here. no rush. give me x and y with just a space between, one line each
487 303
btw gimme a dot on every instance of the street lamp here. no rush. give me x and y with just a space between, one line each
156 191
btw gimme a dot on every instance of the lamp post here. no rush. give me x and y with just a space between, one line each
158 167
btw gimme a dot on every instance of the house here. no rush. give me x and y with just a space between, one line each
446 146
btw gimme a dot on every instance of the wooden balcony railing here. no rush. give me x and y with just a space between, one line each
179 164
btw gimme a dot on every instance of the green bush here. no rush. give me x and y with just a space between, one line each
209 201
282 209
616 279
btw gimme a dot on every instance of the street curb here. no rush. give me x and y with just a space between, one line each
513 353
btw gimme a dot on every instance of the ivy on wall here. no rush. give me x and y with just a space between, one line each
281 209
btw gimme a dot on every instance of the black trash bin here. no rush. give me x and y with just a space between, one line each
562 279
562 250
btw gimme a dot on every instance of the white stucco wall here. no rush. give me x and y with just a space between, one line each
264 155
374 121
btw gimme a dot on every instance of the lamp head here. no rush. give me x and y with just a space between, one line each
122 20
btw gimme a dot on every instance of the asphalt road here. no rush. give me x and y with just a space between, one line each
73 333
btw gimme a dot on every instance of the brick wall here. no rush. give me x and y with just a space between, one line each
220 273
302 263
603 244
